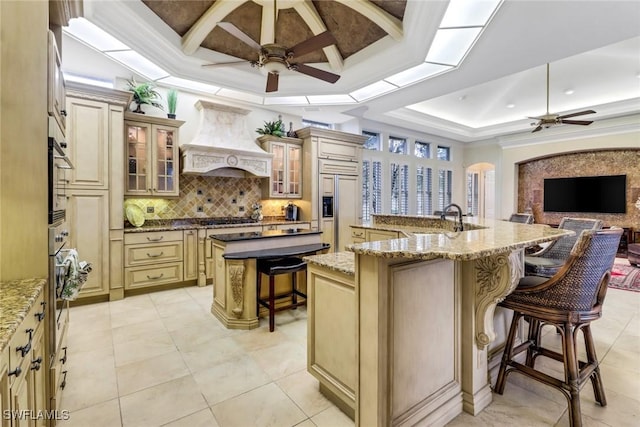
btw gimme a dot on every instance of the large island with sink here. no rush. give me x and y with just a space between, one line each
399 330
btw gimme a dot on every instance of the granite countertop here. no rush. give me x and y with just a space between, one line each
489 237
16 299
343 262
234 237
194 223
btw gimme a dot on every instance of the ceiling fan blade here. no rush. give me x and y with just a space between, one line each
225 64
537 129
577 122
237 33
272 82
314 43
315 72
579 113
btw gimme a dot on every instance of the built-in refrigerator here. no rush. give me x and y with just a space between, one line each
339 195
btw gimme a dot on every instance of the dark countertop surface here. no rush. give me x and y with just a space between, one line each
234 237
289 251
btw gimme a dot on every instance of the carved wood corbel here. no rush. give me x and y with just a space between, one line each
236 277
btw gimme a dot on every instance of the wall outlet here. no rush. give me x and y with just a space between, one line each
240 208
199 192
200 209
150 209
234 201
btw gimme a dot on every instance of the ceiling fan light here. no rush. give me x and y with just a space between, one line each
276 67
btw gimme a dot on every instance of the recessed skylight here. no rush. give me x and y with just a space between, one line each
189 84
417 73
286 100
373 90
94 36
465 13
569 92
451 45
511 105
330 99
139 64
240 96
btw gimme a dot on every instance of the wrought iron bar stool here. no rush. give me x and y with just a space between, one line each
272 268
569 301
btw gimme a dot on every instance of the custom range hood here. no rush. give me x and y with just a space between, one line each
222 145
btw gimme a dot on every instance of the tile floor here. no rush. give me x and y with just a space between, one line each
162 359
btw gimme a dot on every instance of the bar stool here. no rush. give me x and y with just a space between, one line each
272 268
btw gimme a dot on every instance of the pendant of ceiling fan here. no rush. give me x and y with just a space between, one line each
274 58
547 120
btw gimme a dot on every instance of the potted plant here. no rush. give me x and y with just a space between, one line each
172 102
144 93
272 128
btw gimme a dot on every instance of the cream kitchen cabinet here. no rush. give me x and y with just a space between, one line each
207 262
285 181
55 84
152 158
377 235
153 258
5 391
190 245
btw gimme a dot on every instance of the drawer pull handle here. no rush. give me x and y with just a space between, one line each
63 359
64 380
155 277
155 240
15 372
40 316
27 347
155 255
35 364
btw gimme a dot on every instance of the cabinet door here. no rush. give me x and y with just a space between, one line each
21 397
278 170
190 257
138 178
55 84
164 168
88 223
88 140
4 388
37 371
347 209
294 171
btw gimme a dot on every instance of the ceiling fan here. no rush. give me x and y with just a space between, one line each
548 120
275 58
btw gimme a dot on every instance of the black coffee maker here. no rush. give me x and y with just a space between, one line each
291 212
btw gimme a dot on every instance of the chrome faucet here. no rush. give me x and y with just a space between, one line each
459 227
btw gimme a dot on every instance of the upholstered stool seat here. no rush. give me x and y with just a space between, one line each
633 253
272 268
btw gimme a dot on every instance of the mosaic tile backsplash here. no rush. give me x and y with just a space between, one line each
531 177
211 196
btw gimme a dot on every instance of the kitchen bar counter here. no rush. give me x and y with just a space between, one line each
16 299
288 251
235 237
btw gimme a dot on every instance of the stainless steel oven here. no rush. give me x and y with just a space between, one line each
58 164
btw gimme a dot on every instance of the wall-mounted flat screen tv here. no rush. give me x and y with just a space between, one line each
599 194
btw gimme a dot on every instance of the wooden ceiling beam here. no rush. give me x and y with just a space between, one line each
389 23
309 14
192 40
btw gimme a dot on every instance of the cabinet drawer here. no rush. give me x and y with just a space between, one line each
25 338
59 365
140 277
152 254
357 233
152 237
331 149
339 167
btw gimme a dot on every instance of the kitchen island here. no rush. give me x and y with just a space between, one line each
234 257
415 349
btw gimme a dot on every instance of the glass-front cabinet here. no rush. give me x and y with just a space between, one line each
152 156
285 181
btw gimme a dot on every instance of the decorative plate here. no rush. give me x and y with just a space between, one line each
135 215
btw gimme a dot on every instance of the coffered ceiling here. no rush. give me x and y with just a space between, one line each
593 48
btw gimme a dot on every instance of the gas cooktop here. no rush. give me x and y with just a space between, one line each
226 220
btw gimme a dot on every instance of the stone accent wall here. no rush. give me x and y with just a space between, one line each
531 177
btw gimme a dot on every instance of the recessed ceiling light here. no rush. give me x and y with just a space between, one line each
511 105
568 92
462 97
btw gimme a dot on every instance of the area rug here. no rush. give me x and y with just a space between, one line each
625 277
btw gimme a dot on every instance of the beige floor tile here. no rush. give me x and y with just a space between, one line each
143 348
177 308
210 353
180 321
332 417
281 360
161 404
623 359
306 423
122 334
199 332
136 376
230 379
131 304
92 317
302 388
134 316
200 292
83 359
170 296
621 381
89 340
621 411
260 338
266 406
202 418
105 414
89 383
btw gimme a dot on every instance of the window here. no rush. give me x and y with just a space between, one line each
424 199
444 188
399 189
443 153
371 189
397 145
422 150
473 197
320 125
373 141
